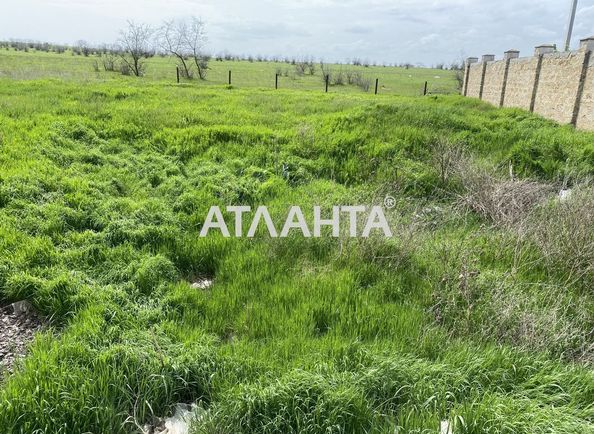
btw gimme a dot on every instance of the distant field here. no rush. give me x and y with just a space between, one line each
392 80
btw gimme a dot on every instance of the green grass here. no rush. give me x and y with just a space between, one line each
104 187
392 80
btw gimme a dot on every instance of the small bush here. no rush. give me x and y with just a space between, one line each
564 233
125 69
500 201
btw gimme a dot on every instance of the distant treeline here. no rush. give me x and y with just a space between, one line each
82 48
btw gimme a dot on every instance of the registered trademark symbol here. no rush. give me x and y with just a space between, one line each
389 202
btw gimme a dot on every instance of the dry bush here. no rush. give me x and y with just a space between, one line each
564 233
504 202
555 321
125 69
448 157
109 59
300 68
496 306
338 79
364 84
508 306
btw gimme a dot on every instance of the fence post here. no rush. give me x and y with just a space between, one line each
177 72
376 83
229 77
425 89
276 81
327 79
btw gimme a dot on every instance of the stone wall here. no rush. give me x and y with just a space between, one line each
520 83
474 80
493 82
558 86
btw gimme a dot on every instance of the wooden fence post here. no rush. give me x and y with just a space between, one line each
276 82
177 72
376 83
425 89
229 77
327 79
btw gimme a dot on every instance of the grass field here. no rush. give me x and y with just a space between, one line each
473 313
392 80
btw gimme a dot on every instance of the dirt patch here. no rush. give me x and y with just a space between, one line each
18 325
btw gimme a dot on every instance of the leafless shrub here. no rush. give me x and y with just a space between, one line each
448 157
109 59
136 47
95 66
338 79
563 231
356 78
300 68
82 47
501 201
495 305
125 69
364 84
553 321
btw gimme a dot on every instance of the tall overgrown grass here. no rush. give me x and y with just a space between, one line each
478 312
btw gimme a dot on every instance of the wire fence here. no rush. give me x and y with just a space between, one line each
333 78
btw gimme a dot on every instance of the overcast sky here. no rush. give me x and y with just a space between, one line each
416 31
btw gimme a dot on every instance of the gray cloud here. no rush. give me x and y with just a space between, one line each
427 31
359 29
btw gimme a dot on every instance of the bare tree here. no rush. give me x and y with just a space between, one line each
172 38
82 47
136 46
194 41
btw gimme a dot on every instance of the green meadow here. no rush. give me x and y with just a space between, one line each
478 312
244 74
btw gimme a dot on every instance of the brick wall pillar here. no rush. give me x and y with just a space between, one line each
486 58
586 46
468 62
507 56
539 51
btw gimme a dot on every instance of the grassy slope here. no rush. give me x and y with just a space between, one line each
394 81
103 188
